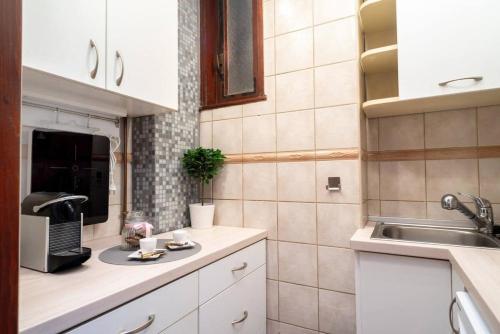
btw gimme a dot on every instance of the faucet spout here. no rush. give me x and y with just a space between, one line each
483 218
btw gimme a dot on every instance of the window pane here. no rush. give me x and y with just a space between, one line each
239 46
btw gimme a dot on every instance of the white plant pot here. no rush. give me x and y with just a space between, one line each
202 216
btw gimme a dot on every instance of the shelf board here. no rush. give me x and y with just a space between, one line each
394 106
378 15
380 60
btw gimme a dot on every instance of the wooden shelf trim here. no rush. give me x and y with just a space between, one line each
380 60
378 15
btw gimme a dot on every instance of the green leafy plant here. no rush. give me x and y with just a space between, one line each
203 164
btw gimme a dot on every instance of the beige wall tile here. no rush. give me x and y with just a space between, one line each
329 10
295 91
337 127
272 259
454 128
228 184
129 184
290 329
294 51
488 125
293 15
337 223
115 197
268 18
295 130
403 209
259 181
261 214
227 135
402 180
451 176
227 112
112 227
205 116
88 233
263 107
269 57
372 130
273 327
272 299
373 182
336 41
489 179
298 305
207 190
206 134
336 84
259 134
401 132
337 312
336 269
228 213
297 222
349 173
298 263
373 207
296 181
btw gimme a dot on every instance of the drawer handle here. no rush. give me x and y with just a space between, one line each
150 321
450 317
120 77
93 73
242 267
477 78
243 318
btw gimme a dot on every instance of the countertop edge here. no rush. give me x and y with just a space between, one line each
361 241
96 308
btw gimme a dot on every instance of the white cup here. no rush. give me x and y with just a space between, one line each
180 236
148 244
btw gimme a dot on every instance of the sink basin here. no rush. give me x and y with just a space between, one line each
434 235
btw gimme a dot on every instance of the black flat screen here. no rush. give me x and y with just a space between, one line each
74 163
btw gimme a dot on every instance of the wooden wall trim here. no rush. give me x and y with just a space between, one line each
339 154
10 116
450 153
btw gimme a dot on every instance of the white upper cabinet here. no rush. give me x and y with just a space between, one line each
142 50
442 43
66 38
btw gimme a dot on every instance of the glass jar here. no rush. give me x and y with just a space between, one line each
135 228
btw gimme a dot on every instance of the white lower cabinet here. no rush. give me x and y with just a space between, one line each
175 308
400 294
239 309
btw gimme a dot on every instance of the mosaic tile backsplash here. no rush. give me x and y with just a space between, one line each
160 187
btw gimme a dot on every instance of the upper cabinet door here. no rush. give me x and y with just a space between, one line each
447 46
142 50
66 38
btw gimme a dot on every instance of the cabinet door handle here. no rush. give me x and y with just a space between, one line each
243 318
476 78
139 329
120 77
450 316
242 267
93 72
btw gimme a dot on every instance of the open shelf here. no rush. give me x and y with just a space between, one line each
384 59
378 15
394 106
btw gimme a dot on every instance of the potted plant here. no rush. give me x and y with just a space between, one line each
202 164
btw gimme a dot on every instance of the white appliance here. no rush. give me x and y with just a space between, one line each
469 317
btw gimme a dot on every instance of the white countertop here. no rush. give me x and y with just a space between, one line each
55 302
479 268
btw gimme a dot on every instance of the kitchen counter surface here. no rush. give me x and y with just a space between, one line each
479 268
51 303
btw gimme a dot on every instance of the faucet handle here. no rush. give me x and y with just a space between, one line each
479 201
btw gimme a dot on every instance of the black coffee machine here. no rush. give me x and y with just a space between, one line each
51 231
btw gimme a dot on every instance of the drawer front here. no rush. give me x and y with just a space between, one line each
159 303
249 294
219 275
187 325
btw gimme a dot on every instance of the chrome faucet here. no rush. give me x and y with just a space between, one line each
483 217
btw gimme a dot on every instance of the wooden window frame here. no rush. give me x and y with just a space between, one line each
212 86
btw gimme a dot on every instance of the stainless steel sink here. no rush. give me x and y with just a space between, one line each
434 235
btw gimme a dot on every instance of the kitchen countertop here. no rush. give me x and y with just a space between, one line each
54 302
479 268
